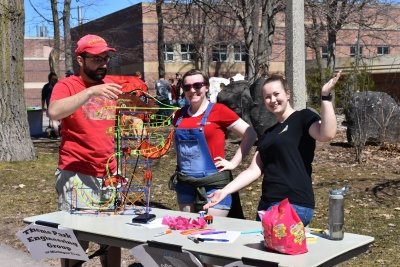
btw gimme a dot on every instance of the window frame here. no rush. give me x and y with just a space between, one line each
355 52
241 54
189 52
168 52
383 48
324 52
219 51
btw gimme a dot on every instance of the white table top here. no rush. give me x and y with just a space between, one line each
114 230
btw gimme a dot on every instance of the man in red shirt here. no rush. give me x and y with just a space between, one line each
85 147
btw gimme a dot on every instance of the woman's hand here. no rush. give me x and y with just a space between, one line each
327 88
215 197
223 164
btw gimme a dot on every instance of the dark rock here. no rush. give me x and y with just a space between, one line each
237 97
373 118
261 118
247 102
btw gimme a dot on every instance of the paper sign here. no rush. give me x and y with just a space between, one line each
48 242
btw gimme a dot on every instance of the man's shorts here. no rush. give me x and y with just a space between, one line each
81 191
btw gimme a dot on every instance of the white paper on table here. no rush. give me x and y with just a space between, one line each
157 223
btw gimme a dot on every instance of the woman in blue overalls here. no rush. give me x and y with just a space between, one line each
200 130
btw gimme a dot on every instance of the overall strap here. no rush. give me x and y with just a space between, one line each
179 120
203 119
206 113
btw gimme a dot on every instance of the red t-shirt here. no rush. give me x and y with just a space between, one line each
86 145
218 121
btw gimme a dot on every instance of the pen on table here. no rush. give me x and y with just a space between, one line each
213 233
168 231
135 224
195 231
212 239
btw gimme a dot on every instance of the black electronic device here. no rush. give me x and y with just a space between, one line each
144 218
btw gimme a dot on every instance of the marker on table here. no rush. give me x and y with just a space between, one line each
135 224
168 231
256 231
212 239
213 233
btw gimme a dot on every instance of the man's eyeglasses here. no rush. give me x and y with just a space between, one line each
98 59
195 86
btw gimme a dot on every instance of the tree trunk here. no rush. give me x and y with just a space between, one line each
55 53
160 42
67 35
16 144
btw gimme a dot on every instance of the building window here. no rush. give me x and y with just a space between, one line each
354 51
239 52
383 50
220 53
168 52
324 52
187 52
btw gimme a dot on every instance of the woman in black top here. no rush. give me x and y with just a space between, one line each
286 150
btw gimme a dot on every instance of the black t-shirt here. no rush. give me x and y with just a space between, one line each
287 151
46 93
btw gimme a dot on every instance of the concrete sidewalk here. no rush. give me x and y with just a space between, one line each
16 258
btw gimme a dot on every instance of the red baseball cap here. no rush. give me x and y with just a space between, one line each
92 44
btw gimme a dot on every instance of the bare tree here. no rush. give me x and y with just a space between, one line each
197 25
332 16
256 18
55 20
314 31
258 22
16 144
160 39
54 57
67 34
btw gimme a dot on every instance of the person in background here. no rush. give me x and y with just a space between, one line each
163 94
174 95
200 131
286 150
46 94
178 78
85 146
182 101
69 73
139 75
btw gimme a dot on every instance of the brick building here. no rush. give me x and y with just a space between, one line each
36 67
133 32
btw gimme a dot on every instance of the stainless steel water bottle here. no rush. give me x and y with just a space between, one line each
336 213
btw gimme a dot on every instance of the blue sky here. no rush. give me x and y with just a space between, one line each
98 9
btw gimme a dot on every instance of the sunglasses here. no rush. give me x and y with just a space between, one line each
98 59
195 86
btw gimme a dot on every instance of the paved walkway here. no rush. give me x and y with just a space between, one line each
17 258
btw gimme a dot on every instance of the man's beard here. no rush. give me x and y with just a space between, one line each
95 75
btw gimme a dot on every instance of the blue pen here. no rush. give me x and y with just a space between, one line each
212 239
213 233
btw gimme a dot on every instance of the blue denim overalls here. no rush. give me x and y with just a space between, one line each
194 158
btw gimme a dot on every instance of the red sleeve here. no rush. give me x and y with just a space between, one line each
62 89
225 117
